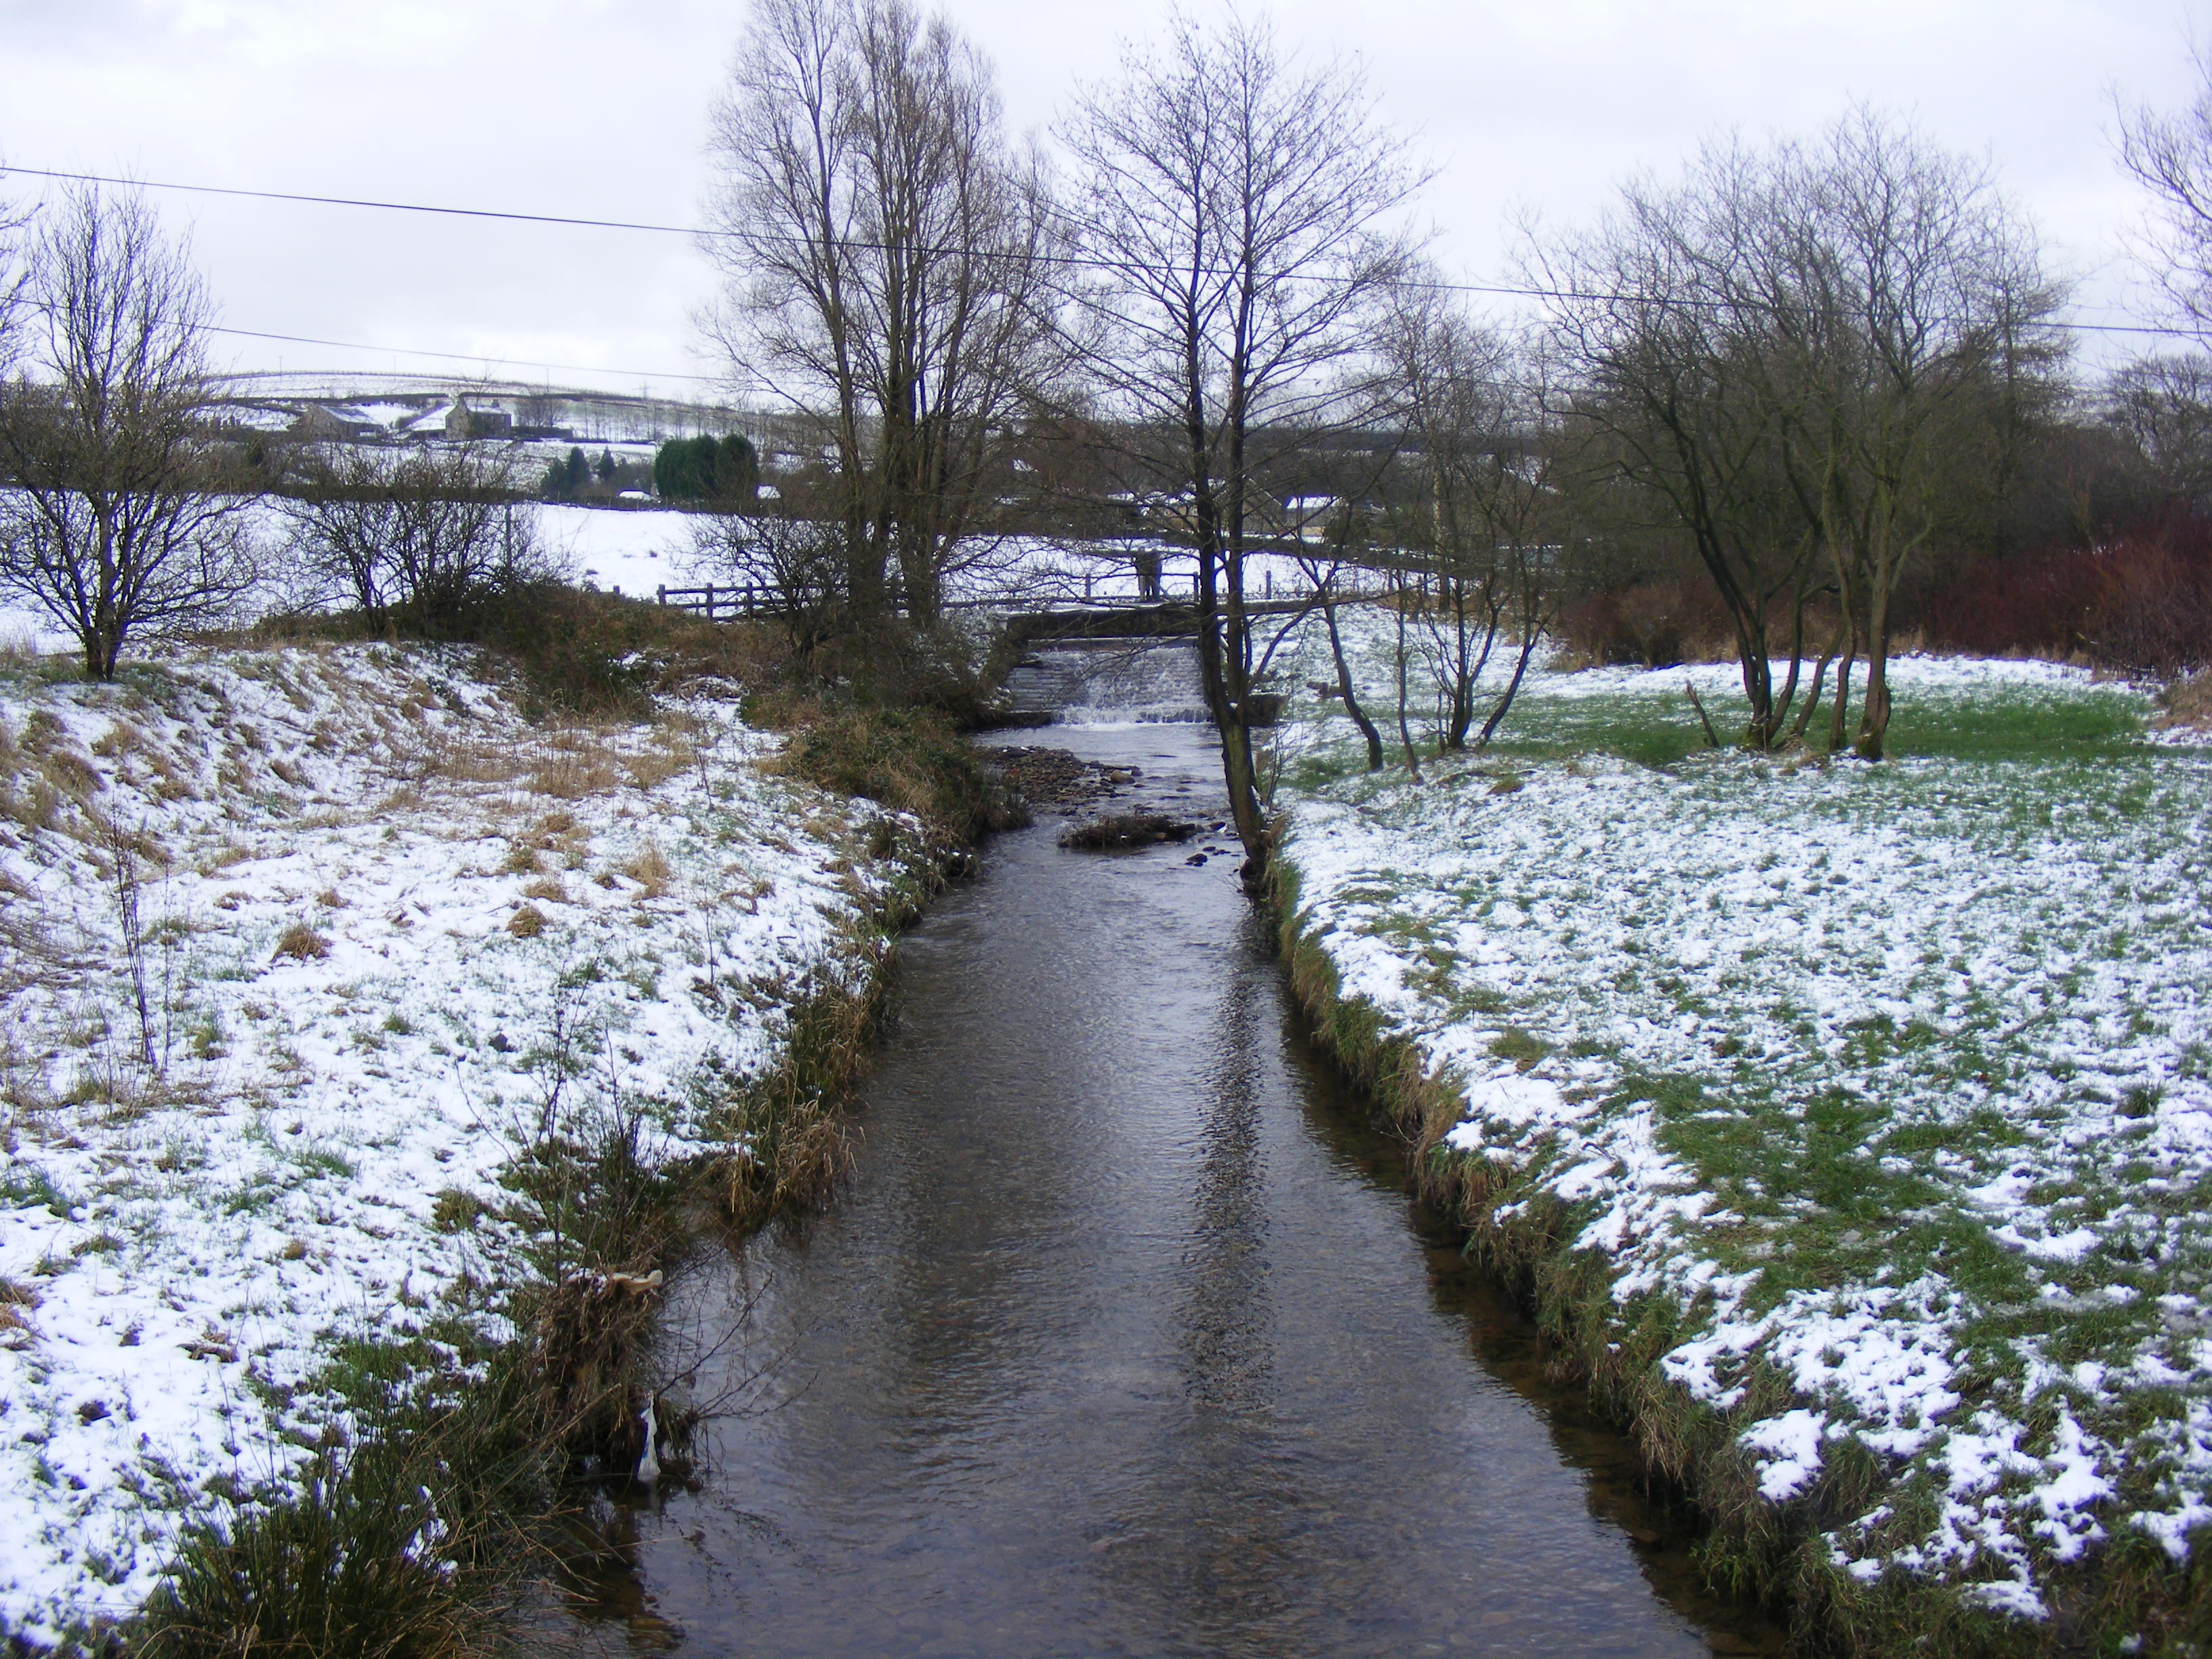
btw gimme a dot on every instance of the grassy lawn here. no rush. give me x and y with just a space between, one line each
1883 1093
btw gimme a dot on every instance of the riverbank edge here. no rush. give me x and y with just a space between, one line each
717 1199
712 1196
1757 1548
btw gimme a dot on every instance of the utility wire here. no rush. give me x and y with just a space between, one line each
1076 260
462 356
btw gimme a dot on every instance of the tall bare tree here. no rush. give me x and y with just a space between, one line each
880 241
1661 314
1796 356
113 527
1232 218
1914 308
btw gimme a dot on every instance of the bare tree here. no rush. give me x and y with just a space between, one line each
112 528
1800 351
1484 514
2163 406
1231 218
418 534
1912 308
880 242
793 555
2171 156
1325 579
1661 313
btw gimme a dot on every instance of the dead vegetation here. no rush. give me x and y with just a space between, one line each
301 943
1123 830
2186 705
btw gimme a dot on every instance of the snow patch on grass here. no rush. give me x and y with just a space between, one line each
352 1036
1895 1083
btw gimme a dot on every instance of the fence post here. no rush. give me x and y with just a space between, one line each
660 594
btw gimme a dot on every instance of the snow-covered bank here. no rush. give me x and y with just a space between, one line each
1867 1108
386 930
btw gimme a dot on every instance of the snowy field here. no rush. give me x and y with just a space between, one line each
639 551
1891 1086
390 934
636 551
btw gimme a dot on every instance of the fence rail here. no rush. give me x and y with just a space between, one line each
732 600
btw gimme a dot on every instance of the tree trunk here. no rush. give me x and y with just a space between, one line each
1839 716
1820 679
1512 688
1873 716
1344 689
1405 730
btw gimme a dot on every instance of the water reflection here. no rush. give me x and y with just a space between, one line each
1124 1340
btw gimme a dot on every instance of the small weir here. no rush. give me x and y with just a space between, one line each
1123 1338
1110 682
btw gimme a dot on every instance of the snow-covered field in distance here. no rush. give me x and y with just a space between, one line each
638 550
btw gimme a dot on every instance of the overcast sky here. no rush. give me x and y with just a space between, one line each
595 108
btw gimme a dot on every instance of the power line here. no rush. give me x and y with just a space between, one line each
464 356
1494 290
358 202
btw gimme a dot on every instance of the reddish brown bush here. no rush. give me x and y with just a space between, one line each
1654 626
2141 603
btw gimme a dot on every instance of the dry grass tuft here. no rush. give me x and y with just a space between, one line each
2188 703
649 768
120 738
649 867
528 923
302 943
466 763
231 854
582 762
548 888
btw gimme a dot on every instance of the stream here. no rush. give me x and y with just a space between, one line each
1124 1337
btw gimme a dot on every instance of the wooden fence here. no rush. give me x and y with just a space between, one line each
731 600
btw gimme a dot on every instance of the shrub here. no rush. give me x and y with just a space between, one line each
2141 603
911 760
584 652
1656 625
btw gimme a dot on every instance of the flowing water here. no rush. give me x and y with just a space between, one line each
1123 1339
1119 681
